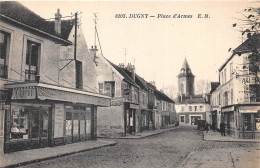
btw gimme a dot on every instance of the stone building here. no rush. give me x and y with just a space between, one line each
47 97
190 107
236 100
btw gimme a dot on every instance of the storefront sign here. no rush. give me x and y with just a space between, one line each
251 80
134 106
58 120
24 93
228 109
249 109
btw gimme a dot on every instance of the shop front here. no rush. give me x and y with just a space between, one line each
242 121
147 120
249 119
131 118
43 115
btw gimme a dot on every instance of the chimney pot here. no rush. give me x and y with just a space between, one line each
58 22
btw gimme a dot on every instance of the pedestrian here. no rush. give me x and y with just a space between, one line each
206 127
222 129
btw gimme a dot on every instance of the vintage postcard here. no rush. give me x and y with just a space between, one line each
146 84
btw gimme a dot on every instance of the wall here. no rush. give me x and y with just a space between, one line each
17 56
110 121
67 75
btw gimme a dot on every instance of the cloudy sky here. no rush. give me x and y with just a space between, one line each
158 46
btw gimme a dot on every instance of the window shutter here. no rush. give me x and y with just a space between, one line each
79 81
101 87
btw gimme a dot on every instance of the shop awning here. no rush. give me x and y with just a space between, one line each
249 109
51 92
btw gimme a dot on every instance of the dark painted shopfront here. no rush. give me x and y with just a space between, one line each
131 115
44 115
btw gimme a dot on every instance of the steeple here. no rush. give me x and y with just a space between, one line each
186 80
185 69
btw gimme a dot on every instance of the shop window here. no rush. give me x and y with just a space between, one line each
82 124
110 88
79 80
68 123
4 52
247 122
20 123
44 124
75 123
28 122
32 60
254 93
88 120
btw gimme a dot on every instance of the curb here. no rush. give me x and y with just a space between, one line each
138 137
214 140
56 156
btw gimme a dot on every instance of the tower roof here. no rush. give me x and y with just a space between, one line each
185 69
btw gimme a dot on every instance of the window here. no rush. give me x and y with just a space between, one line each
79 80
231 96
29 122
219 99
182 108
68 123
190 108
75 123
254 93
201 108
225 76
32 60
143 99
109 88
182 118
4 51
226 98
182 88
231 70
195 108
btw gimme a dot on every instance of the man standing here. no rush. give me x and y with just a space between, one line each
222 129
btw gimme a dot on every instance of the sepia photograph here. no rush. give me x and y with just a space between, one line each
130 84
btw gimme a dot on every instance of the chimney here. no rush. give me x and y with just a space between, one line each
58 22
121 65
131 68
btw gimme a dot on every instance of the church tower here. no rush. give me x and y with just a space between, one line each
186 80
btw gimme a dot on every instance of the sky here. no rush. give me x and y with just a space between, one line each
158 46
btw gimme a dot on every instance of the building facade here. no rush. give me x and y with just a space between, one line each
37 108
236 101
190 107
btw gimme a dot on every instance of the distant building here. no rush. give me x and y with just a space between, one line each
236 100
190 107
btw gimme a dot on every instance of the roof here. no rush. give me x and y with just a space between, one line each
161 96
193 100
138 80
66 27
16 13
213 85
249 45
187 70
124 74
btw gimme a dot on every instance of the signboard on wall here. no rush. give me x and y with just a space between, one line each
58 120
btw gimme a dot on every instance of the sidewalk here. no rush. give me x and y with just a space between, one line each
147 133
35 155
216 136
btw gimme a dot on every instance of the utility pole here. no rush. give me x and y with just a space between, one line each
125 55
75 36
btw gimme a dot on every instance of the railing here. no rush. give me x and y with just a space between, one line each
30 75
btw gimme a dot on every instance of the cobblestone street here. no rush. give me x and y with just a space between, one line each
182 147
